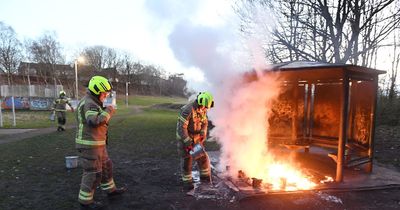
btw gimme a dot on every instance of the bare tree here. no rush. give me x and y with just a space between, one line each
102 57
336 31
46 50
127 66
10 51
395 66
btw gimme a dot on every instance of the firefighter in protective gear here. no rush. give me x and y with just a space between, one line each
192 129
60 107
91 140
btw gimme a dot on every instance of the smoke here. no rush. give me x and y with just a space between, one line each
205 48
242 125
241 106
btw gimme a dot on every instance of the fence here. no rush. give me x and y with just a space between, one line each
30 91
38 103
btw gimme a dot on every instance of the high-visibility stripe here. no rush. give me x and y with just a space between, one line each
90 112
187 139
90 143
85 196
106 114
108 186
182 119
204 172
60 110
186 178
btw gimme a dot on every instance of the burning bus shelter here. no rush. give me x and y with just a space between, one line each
326 105
320 132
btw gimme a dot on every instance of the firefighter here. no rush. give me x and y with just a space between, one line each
60 107
91 139
192 129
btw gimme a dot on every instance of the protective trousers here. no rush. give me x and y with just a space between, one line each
61 118
97 169
203 163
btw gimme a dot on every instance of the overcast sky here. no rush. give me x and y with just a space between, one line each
181 36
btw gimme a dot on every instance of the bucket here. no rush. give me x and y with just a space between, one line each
71 161
198 151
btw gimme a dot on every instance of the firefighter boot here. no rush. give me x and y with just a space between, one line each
117 191
94 205
187 186
205 179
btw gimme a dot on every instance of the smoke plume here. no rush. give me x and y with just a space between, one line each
241 107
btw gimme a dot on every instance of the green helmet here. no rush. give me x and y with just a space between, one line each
205 99
98 84
62 93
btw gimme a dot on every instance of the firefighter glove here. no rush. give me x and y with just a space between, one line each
202 138
188 149
188 143
110 110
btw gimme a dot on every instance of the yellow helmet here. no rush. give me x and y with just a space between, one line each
98 84
62 93
205 99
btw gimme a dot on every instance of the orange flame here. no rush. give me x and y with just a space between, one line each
285 177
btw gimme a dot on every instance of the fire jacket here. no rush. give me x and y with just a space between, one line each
191 124
92 122
60 104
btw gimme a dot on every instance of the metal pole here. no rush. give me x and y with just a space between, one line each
76 79
29 81
126 93
1 115
372 126
55 88
13 110
343 128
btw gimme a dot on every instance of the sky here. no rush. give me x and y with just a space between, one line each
181 36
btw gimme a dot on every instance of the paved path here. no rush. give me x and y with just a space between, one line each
11 135
4 131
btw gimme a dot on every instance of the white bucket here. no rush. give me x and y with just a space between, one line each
71 161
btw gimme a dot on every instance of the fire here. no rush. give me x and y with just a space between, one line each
242 126
278 173
284 177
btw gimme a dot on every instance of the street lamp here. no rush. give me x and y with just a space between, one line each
126 93
78 60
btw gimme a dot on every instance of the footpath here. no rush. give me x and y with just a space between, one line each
12 135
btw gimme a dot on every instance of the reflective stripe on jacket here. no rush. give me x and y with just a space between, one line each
191 123
60 104
92 123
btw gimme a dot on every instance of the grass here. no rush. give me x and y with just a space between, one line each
32 119
152 100
40 119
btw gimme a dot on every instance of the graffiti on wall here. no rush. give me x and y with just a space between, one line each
41 103
19 103
26 103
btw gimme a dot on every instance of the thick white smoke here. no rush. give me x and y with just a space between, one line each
241 108
242 123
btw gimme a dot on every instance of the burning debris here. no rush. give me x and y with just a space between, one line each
280 178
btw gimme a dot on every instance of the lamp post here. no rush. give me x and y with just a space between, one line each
126 93
80 59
